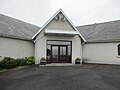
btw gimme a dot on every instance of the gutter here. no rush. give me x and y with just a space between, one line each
38 38
17 38
82 52
103 41
83 43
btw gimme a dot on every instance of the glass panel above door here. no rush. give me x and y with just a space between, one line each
59 42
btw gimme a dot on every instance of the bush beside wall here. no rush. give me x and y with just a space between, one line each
8 62
21 62
29 60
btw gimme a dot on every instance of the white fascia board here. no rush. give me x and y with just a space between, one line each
73 25
46 23
50 31
60 10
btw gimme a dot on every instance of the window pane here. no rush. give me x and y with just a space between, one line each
54 54
58 43
48 52
69 54
119 49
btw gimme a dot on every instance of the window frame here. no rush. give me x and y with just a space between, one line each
58 45
118 49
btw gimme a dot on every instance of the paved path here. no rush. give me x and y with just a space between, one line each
80 77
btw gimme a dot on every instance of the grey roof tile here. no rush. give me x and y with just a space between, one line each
13 28
101 32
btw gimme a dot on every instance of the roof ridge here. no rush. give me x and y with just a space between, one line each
10 17
19 28
98 23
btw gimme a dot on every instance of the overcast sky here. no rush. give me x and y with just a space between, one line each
80 12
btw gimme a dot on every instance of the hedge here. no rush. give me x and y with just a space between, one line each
8 62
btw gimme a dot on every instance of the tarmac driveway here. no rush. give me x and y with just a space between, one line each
80 77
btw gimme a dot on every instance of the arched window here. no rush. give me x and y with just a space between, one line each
119 49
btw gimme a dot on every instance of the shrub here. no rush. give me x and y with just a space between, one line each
43 59
25 61
21 62
29 60
1 67
8 63
77 58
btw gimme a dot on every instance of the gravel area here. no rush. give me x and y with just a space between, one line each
73 77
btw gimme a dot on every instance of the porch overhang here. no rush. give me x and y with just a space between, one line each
60 32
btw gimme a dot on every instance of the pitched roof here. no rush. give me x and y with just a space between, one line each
59 11
101 32
13 28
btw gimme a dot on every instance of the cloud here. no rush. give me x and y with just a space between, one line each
79 11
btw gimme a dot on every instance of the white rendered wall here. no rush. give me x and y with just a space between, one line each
16 48
105 53
40 46
40 42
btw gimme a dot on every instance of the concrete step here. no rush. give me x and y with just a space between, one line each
60 64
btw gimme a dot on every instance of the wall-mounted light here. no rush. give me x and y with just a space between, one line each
63 19
57 18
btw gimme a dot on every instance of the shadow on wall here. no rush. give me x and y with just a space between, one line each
85 61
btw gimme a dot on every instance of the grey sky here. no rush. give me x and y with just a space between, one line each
80 12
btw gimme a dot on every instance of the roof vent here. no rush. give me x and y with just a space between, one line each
63 19
60 18
57 18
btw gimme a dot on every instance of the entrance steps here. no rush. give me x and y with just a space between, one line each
59 64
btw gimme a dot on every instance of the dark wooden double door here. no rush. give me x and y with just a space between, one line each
59 54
